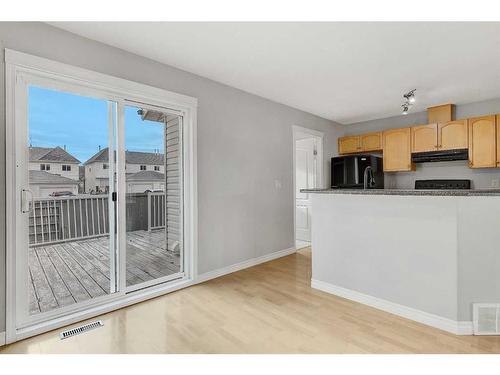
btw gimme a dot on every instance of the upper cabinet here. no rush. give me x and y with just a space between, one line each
482 142
424 138
360 143
348 145
453 135
371 142
450 135
498 140
397 150
440 113
480 135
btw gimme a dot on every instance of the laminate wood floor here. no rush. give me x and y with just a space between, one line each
269 308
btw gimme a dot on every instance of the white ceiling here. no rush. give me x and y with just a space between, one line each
346 72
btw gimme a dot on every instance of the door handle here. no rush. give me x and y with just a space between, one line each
27 205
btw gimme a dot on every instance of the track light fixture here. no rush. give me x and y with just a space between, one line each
410 96
405 106
409 100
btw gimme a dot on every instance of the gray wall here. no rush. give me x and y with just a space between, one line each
244 145
482 178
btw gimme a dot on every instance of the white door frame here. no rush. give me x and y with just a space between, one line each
21 66
320 136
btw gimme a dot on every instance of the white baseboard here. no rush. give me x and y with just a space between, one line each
445 324
245 264
2 338
465 328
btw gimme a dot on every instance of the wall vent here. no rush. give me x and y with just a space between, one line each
76 331
486 317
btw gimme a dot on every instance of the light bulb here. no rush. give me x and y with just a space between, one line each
411 99
405 112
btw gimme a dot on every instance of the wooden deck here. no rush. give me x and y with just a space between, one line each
67 273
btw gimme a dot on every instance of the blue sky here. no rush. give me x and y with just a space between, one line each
81 123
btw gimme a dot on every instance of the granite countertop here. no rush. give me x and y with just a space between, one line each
457 193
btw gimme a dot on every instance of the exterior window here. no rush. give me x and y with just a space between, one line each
143 167
66 168
157 167
45 167
105 166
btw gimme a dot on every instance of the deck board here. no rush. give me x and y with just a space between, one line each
67 273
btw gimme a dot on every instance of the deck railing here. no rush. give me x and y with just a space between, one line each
64 219
156 210
54 220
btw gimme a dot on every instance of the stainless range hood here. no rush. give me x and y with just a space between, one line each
435 156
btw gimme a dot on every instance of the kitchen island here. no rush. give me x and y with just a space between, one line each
426 255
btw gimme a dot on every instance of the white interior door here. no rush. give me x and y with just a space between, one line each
306 178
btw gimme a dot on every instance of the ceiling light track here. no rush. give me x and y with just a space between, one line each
409 100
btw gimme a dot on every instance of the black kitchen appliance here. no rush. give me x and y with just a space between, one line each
442 184
434 156
349 172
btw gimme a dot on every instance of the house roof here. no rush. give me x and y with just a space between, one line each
42 177
131 157
52 154
145 176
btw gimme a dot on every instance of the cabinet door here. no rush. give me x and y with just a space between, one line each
424 138
482 142
453 135
397 150
371 142
498 140
349 145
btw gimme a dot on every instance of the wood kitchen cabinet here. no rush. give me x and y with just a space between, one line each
371 142
498 140
349 145
360 143
482 142
397 150
424 138
453 135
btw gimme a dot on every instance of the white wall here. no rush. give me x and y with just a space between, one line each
244 146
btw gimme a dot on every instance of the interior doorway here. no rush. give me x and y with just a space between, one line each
308 174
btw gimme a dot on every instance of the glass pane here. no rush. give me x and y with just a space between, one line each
69 243
154 209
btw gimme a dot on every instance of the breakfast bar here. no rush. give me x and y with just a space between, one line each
426 255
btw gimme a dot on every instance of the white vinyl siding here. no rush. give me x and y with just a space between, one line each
173 180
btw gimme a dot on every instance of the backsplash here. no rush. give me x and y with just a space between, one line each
481 178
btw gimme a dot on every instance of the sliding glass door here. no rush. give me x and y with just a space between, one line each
95 184
81 160
66 251
153 186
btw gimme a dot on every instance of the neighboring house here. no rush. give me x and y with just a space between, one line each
140 182
43 184
54 160
136 163
52 169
